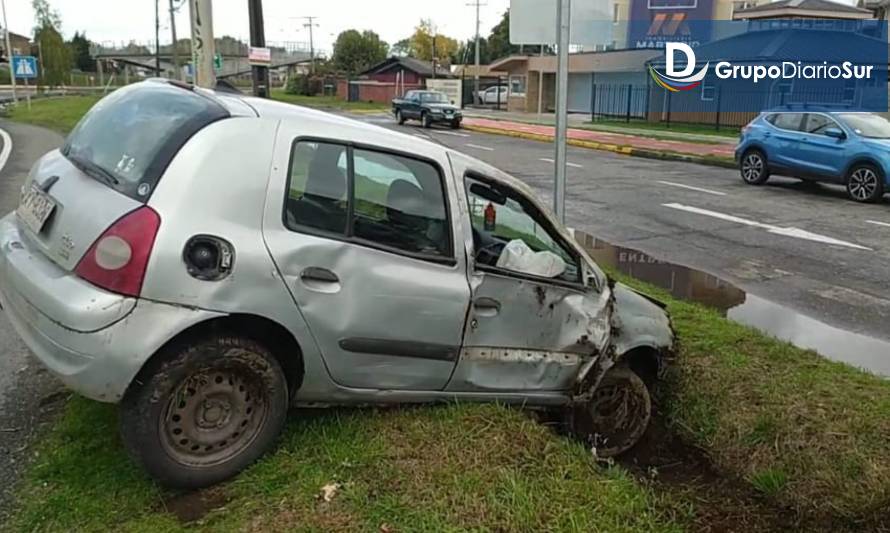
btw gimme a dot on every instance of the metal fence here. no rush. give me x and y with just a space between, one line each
470 98
717 106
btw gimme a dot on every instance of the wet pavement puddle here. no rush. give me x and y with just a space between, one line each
772 318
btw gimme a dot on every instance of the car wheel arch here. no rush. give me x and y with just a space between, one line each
278 339
646 360
863 160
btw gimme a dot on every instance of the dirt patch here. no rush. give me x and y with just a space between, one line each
190 507
721 504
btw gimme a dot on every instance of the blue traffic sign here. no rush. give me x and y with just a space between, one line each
24 67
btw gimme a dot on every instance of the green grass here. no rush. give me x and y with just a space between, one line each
656 127
59 114
328 102
455 467
808 433
811 433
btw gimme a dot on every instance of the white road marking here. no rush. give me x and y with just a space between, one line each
452 133
476 146
7 148
568 164
691 188
775 230
422 136
876 223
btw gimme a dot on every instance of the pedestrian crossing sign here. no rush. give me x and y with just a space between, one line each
24 67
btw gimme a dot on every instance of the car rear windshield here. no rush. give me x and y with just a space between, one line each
127 140
867 125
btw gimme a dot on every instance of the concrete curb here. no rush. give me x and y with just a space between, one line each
715 161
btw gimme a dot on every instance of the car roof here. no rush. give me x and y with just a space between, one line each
246 106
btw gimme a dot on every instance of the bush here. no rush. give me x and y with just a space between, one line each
303 85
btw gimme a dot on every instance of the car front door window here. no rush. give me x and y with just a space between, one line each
511 234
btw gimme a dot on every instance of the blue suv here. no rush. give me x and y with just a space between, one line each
847 148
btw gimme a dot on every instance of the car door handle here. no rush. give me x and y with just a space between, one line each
486 307
319 274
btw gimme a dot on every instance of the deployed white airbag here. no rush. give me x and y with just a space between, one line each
518 257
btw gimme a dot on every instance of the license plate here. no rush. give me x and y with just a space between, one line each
35 209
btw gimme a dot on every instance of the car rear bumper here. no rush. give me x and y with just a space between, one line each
99 362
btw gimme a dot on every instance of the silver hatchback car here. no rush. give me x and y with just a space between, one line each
208 260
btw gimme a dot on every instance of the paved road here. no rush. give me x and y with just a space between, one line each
800 245
28 395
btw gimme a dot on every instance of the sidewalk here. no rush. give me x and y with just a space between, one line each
715 154
582 121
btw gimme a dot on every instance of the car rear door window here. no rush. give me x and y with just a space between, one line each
127 139
317 193
400 203
787 121
371 197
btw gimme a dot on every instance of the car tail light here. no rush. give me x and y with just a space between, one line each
117 260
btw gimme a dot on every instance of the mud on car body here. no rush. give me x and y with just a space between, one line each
208 260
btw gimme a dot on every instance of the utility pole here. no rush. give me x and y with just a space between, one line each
177 70
435 59
478 4
258 40
15 98
563 10
157 38
310 23
203 46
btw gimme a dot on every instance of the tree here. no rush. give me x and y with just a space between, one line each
45 15
355 51
80 53
401 48
466 53
422 43
54 53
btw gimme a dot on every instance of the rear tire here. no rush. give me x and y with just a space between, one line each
399 118
205 411
617 415
425 120
753 167
865 183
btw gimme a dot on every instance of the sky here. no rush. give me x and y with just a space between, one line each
125 20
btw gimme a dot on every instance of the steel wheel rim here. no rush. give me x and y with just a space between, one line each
618 408
399 116
863 183
212 417
752 167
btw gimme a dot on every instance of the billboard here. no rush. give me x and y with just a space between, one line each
534 22
651 23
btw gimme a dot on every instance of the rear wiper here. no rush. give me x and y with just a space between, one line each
93 169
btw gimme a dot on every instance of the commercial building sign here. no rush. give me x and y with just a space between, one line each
652 23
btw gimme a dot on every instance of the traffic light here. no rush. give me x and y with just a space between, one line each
218 62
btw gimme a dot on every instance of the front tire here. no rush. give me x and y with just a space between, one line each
207 410
617 415
455 124
753 167
426 121
865 184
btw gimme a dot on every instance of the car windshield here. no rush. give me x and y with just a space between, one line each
127 140
867 125
435 98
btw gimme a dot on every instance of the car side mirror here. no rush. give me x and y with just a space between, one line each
835 133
